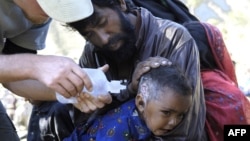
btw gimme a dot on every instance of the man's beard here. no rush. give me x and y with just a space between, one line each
124 53
127 50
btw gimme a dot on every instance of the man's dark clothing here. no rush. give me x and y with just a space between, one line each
7 128
51 121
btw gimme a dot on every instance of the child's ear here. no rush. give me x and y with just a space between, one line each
139 102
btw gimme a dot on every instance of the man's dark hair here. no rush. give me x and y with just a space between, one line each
113 4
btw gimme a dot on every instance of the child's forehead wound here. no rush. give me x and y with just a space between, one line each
145 90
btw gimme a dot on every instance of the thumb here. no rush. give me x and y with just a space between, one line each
104 68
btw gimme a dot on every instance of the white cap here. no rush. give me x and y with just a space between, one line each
67 10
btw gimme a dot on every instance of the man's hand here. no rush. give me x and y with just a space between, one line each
61 74
88 103
143 67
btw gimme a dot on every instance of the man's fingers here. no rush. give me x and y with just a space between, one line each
82 107
60 89
104 68
75 84
90 103
69 86
86 81
157 61
107 99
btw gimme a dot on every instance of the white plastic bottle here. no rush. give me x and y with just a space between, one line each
100 85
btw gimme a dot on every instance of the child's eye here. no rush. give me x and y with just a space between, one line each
181 116
166 113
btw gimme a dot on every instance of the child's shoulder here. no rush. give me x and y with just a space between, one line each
125 109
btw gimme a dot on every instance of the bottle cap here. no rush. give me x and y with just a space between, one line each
115 86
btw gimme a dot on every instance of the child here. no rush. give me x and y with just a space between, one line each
163 98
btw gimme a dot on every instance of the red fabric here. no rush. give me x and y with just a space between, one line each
220 52
225 102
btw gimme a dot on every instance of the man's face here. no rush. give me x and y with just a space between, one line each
112 33
165 113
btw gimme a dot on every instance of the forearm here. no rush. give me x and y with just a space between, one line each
17 67
31 89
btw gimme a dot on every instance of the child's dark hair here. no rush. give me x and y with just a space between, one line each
152 84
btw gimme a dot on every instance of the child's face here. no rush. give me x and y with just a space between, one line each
164 114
